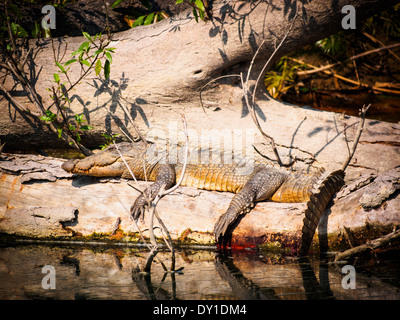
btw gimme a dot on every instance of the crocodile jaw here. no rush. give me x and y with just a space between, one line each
77 166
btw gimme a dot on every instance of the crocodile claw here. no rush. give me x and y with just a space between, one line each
223 227
138 208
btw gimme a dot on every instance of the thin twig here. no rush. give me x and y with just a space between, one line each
163 193
251 105
330 66
209 82
184 162
123 159
16 103
132 122
360 129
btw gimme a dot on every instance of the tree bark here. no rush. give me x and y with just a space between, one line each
40 201
160 68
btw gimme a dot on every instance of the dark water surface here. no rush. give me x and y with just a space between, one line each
115 273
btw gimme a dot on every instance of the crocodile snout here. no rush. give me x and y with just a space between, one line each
68 165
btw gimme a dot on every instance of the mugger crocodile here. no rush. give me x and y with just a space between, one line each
250 181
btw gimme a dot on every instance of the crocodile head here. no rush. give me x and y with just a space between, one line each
105 163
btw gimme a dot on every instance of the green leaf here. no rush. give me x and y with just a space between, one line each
56 77
199 5
48 117
70 61
97 52
78 137
85 62
178 1
87 36
79 118
75 53
97 68
138 21
18 31
36 30
109 57
149 19
60 66
196 17
71 127
116 3
107 69
84 46
86 127
14 28
110 49
201 13
59 131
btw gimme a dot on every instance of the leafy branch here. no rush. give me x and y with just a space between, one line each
90 56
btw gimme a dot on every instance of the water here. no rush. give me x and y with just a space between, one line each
115 273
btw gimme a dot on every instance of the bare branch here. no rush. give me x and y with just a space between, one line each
245 86
209 82
185 159
132 122
360 129
329 66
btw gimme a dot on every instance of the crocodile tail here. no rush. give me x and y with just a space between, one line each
322 194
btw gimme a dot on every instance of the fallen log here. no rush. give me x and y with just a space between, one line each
58 205
370 249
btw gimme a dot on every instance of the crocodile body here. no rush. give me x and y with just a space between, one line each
250 181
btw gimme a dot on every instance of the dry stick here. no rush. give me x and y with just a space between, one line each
17 104
209 82
163 193
251 106
329 66
360 129
134 178
132 122
359 84
382 44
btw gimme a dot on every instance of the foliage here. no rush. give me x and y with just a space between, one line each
94 54
282 79
335 45
146 19
109 139
199 9
388 21
88 55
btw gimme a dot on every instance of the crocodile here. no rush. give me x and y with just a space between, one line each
250 181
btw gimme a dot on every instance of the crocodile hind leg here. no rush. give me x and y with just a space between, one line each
262 185
165 179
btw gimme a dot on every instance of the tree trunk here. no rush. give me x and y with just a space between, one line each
160 68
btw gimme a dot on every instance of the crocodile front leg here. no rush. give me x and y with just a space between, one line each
165 179
261 186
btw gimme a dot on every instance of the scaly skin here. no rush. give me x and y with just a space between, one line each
251 183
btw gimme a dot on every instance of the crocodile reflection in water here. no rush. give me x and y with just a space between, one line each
242 287
246 289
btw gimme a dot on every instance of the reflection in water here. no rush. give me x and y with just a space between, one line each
117 273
